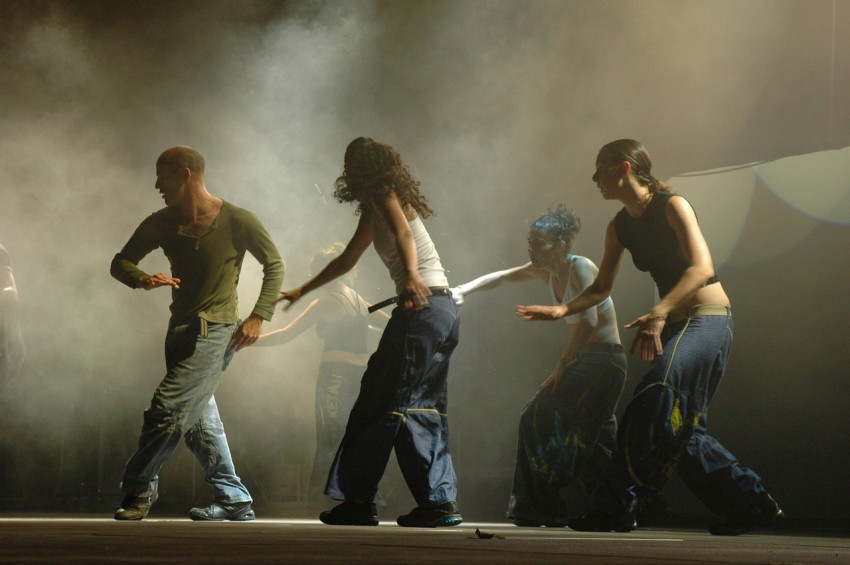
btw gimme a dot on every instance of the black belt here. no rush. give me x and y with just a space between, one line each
601 347
435 291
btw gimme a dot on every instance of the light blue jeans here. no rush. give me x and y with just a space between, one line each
183 405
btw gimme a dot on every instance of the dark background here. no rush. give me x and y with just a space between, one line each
499 107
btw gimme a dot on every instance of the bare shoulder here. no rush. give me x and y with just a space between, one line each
677 204
584 266
389 207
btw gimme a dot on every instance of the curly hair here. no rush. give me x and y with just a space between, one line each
560 223
635 153
374 170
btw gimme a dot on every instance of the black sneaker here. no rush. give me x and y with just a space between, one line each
442 516
351 513
763 509
652 510
523 523
135 507
597 521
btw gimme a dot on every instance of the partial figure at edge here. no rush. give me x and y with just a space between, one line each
12 347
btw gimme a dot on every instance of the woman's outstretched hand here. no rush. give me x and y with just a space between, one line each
649 336
541 312
290 295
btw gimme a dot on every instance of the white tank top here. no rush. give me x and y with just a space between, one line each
430 268
569 295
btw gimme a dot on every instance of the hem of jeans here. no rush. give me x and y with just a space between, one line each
334 494
434 504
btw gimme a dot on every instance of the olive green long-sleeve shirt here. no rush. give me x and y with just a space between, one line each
208 266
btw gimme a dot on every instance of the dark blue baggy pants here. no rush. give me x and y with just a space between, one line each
664 426
402 404
567 435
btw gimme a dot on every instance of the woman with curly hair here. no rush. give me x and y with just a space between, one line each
686 336
567 431
403 394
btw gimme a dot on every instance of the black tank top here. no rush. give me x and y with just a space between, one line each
653 243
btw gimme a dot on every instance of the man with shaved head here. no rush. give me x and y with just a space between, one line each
205 240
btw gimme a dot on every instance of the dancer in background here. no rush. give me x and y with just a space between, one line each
568 430
341 318
205 240
687 336
403 394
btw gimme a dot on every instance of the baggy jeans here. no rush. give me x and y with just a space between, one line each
402 404
664 428
183 405
567 435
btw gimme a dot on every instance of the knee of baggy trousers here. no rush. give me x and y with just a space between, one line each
654 432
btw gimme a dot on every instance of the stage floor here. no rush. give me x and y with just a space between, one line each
78 539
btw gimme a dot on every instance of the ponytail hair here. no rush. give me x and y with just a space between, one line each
636 154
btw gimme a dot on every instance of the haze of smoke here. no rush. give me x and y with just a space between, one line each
499 108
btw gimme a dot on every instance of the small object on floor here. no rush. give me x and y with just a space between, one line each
442 516
484 535
220 511
350 513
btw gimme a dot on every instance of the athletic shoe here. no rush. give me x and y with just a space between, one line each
136 507
442 516
351 513
534 524
220 511
597 521
763 509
